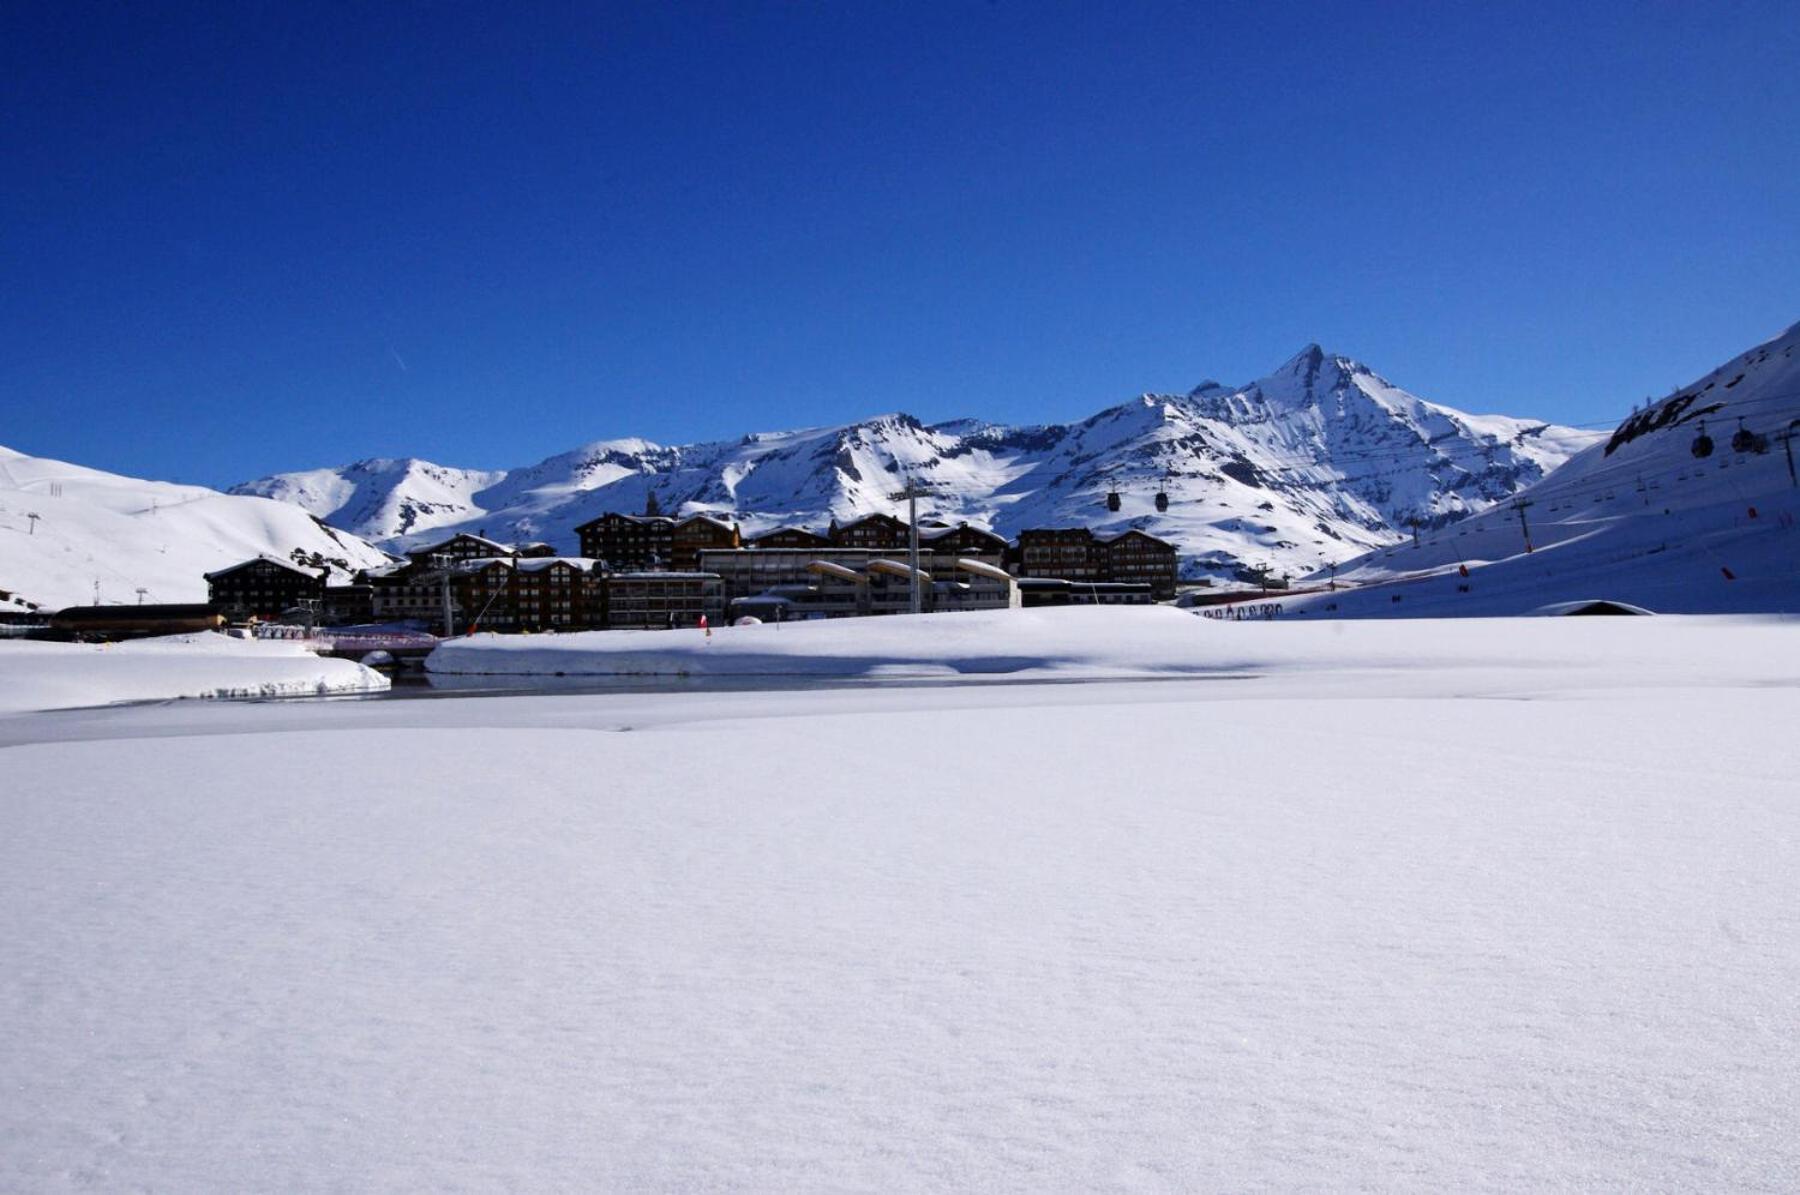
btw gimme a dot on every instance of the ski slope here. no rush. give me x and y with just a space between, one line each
1637 518
100 537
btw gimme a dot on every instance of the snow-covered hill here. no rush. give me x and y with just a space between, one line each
102 535
1317 461
1637 518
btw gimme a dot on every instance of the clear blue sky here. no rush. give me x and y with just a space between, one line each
274 236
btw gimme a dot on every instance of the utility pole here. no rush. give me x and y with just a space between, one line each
1786 438
1519 504
912 493
442 560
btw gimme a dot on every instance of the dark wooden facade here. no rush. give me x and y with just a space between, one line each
132 622
459 548
788 537
1066 553
265 587
628 543
1077 554
699 533
1137 556
878 532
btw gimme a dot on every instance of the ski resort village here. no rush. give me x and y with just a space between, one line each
928 597
1296 837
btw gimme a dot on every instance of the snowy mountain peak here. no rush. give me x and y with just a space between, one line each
1318 460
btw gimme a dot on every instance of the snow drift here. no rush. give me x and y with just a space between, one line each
42 676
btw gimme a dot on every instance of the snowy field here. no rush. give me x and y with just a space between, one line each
1427 911
41 676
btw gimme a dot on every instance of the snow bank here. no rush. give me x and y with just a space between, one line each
1158 641
42 676
1073 641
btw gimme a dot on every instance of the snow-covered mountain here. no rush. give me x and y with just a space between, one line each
69 534
1316 462
1638 517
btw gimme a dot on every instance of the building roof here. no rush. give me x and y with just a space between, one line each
261 557
981 568
500 549
721 524
613 514
774 531
114 613
1129 532
870 518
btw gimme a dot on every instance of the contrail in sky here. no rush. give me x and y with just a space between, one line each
398 359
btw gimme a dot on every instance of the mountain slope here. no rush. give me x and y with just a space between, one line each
1637 518
101 534
1315 462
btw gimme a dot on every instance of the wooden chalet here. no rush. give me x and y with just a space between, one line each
458 548
1137 556
265 587
628 542
966 541
698 533
1066 553
788 537
878 531
1076 554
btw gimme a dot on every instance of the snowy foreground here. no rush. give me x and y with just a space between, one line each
41 676
1085 641
1425 911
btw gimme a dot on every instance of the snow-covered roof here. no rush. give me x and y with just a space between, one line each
826 568
894 568
500 549
982 569
1128 533
260 557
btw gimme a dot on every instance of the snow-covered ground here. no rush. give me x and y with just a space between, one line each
1638 518
1090 641
1424 910
71 535
44 676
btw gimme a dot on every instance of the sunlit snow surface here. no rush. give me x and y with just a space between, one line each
1446 918
45 676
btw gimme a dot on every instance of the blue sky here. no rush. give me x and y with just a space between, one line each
275 236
